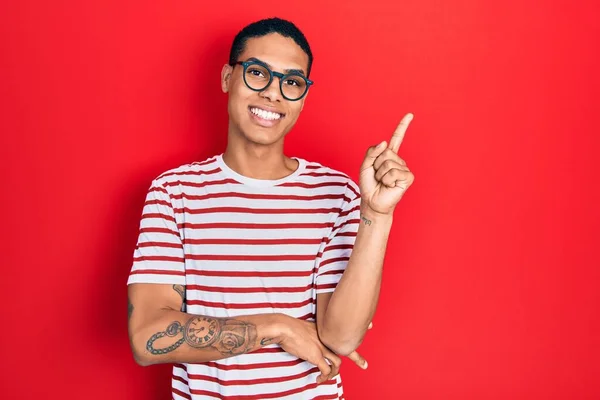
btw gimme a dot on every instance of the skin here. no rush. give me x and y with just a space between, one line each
345 314
161 333
254 150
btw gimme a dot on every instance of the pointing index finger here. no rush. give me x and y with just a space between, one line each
398 135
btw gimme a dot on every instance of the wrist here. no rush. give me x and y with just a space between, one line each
369 216
274 330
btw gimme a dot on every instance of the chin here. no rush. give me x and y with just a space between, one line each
262 137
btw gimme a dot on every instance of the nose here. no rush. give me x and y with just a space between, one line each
272 92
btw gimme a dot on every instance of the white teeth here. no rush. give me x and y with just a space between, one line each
265 114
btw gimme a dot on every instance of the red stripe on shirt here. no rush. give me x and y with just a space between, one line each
182 394
245 367
312 185
159 216
158 258
325 174
248 210
158 189
159 244
202 184
159 230
198 173
348 212
205 162
218 289
271 257
155 201
332 260
158 272
332 272
354 191
245 306
262 396
267 242
346 222
252 381
261 196
236 225
241 274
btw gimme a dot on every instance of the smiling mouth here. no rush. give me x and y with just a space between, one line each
264 114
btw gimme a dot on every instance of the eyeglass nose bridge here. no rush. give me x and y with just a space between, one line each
271 79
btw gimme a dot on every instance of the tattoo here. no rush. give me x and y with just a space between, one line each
181 290
227 336
129 309
265 341
365 220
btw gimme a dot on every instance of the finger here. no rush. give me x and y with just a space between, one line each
399 133
370 325
324 368
386 167
358 360
395 175
335 360
372 154
387 154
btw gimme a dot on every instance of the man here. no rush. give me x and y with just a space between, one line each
255 271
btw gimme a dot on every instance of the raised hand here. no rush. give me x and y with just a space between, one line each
384 176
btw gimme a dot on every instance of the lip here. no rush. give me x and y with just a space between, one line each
267 123
271 109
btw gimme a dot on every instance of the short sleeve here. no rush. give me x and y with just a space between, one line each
158 255
336 252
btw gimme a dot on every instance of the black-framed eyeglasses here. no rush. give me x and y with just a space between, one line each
258 76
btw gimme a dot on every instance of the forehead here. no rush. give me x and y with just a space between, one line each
280 52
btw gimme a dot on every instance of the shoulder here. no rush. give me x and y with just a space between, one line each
325 173
196 171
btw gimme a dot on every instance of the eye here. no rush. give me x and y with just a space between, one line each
255 72
293 82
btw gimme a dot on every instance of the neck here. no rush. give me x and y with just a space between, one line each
258 161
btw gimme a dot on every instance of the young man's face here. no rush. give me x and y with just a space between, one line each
280 54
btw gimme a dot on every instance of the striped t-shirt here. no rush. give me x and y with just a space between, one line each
246 246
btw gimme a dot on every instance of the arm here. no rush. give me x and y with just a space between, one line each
160 333
343 317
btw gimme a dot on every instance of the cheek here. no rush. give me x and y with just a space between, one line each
294 112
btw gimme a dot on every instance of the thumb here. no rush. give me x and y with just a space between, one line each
358 360
372 153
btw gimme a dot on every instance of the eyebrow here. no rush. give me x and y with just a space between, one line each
287 71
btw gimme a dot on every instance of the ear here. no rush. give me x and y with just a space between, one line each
226 77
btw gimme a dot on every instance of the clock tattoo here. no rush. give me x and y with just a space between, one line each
201 331
227 336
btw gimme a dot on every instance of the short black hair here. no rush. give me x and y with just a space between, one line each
265 27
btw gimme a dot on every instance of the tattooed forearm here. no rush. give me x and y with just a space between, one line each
365 220
227 336
181 290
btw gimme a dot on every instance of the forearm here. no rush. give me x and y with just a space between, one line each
354 301
176 337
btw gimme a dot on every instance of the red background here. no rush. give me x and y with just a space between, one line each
491 281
